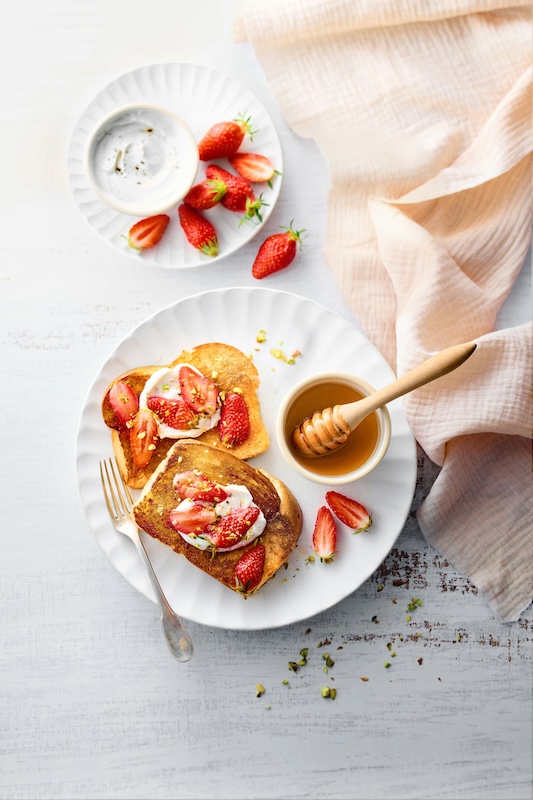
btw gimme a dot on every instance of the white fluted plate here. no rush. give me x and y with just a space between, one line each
202 97
292 323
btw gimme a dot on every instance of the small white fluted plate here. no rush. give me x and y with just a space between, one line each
292 323
201 97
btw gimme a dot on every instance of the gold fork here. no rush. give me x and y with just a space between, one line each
119 504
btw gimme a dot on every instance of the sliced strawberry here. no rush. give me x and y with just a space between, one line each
252 166
123 401
349 511
143 437
174 413
198 392
224 138
233 527
249 569
239 194
276 253
148 232
198 230
234 425
205 195
193 520
194 485
324 535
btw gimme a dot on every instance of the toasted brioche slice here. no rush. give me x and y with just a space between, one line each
276 501
226 366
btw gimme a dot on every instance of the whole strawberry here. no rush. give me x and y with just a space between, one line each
224 138
239 195
198 230
276 253
206 194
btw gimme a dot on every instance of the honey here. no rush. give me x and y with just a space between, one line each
361 443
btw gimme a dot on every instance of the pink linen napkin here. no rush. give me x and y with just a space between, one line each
423 113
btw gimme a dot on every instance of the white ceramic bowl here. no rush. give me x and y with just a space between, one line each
366 446
141 159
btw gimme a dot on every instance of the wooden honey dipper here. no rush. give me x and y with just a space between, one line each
327 430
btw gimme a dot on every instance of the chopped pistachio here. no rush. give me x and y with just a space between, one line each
386 664
308 631
333 694
293 666
285 682
380 587
325 691
393 655
408 618
329 661
389 645
259 689
304 652
458 637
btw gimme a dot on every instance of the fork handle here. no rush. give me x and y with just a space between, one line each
178 640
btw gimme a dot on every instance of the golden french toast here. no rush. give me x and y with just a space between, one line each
233 521
208 393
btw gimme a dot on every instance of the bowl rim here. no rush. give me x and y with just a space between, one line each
385 426
132 209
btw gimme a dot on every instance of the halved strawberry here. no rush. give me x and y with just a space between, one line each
233 527
148 232
174 413
195 485
123 401
249 569
198 392
143 437
205 195
198 230
193 520
324 535
252 166
349 511
234 425
224 138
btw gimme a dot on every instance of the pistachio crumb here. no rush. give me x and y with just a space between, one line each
259 689
386 664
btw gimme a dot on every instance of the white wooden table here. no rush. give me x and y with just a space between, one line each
92 704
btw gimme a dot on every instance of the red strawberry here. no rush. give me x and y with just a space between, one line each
195 520
252 166
194 485
349 511
198 230
198 392
233 527
324 535
143 437
224 138
174 413
123 401
249 569
205 195
239 195
234 425
276 253
148 232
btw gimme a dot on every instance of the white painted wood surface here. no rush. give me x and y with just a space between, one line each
92 705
